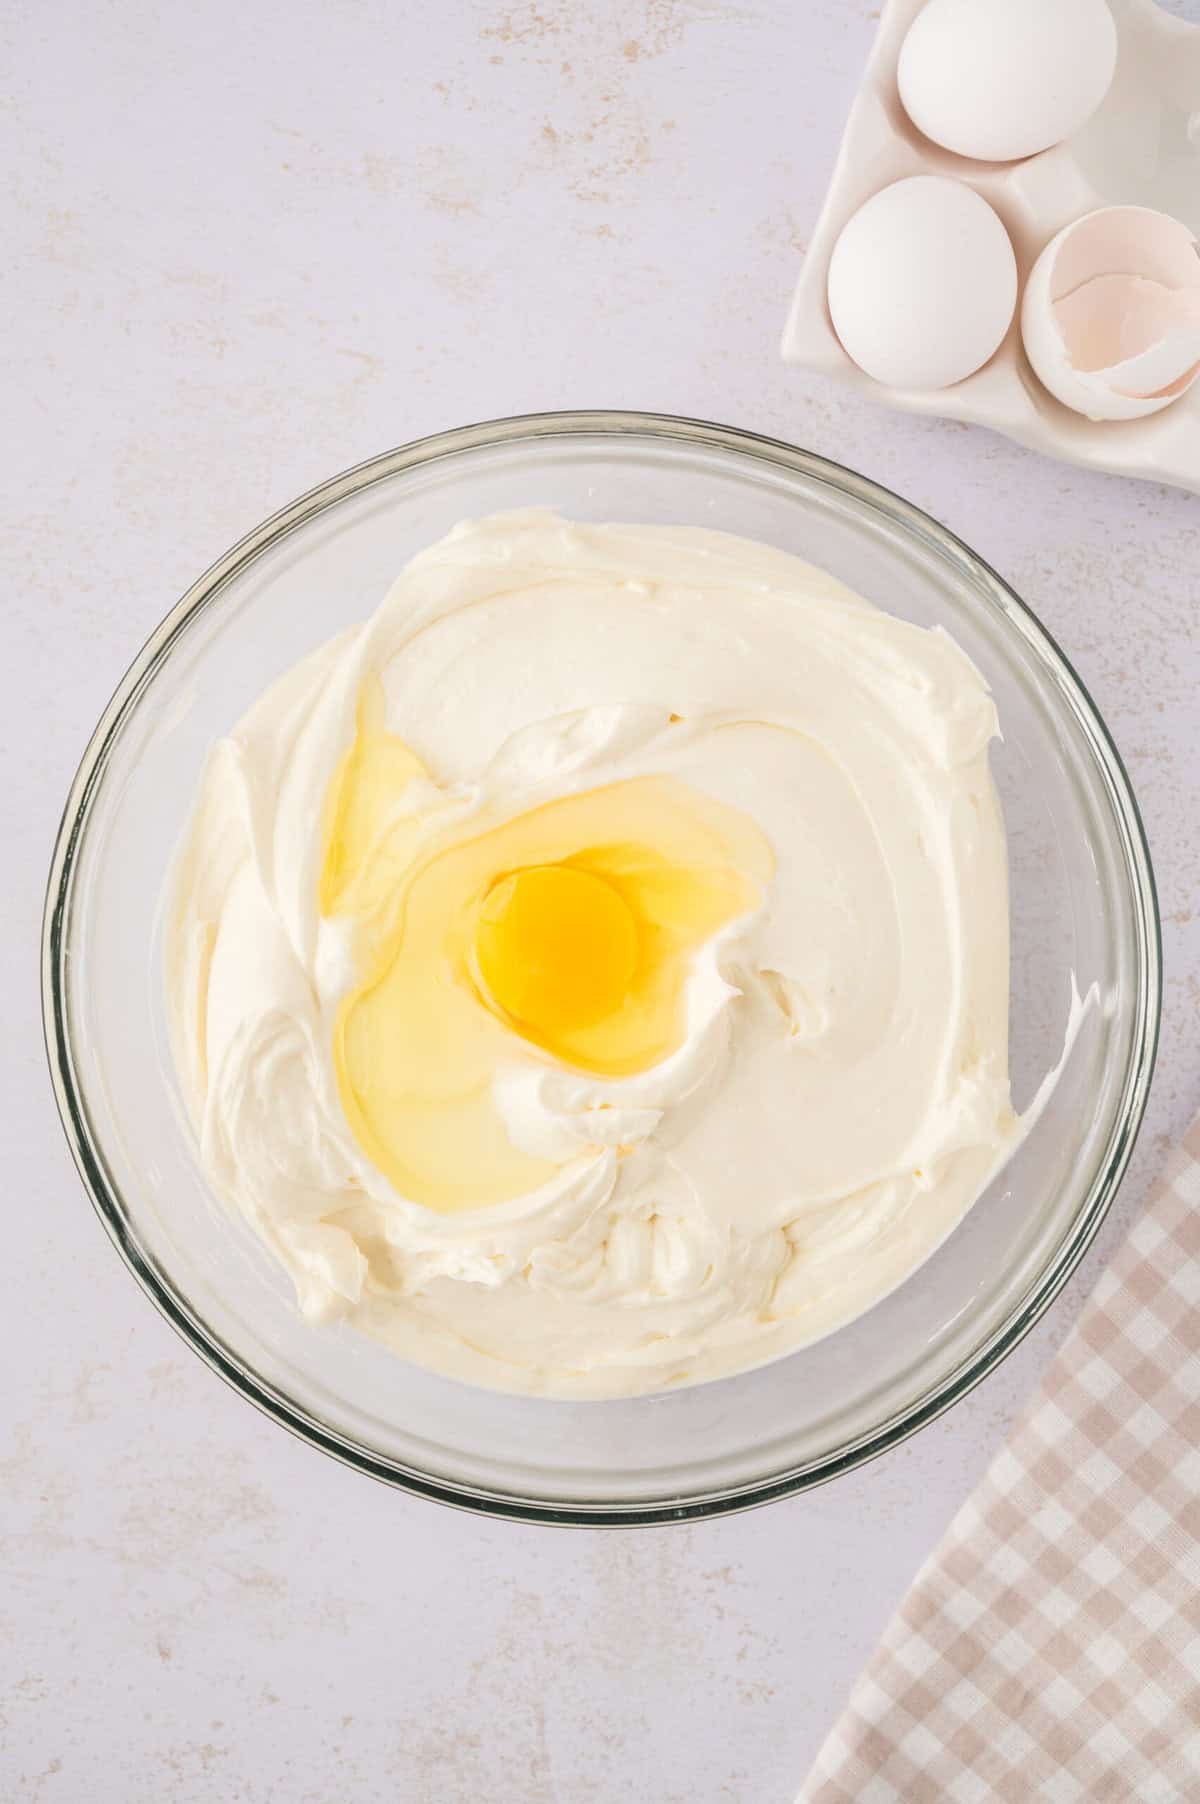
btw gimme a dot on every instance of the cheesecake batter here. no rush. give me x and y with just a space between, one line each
590 975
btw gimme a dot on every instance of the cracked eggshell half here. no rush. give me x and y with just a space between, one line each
1111 315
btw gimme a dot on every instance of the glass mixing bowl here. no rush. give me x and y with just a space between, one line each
1082 901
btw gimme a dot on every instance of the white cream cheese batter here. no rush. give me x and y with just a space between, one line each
835 1093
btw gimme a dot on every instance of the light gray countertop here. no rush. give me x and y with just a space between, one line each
253 245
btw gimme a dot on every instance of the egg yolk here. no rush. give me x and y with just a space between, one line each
556 947
568 931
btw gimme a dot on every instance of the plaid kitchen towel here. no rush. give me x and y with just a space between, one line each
1049 1651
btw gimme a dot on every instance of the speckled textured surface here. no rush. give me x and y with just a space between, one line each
251 246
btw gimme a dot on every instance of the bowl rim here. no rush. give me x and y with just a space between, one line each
1110 1164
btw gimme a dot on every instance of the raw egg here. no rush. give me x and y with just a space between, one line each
922 283
564 933
556 947
1002 79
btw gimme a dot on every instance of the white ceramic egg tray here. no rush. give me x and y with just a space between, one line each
1141 147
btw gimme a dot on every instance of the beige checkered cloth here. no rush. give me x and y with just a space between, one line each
1050 1650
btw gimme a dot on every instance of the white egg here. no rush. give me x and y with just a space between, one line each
922 283
1111 315
1001 79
